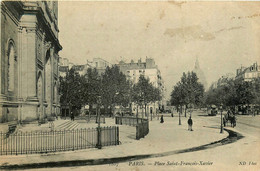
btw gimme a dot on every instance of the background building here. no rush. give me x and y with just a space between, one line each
98 63
64 66
29 60
223 80
248 73
150 70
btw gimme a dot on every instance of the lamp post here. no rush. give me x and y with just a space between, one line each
99 146
221 126
190 108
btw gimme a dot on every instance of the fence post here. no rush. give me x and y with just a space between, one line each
137 132
98 145
15 144
117 135
1 137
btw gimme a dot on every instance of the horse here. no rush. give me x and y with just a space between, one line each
229 118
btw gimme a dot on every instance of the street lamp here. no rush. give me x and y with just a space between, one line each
190 108
221 126
114 112
99 146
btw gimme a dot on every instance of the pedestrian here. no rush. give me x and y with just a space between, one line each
162 121
190 124
72 116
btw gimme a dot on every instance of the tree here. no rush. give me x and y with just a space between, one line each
187 91
91 82
233 93
256 91
144 93
115 88
71 90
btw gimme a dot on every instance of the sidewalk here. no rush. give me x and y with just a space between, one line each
165 137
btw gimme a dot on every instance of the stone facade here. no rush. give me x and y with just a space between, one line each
98 63
29 60
248 73
64 66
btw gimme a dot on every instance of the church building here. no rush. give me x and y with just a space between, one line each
200 74
29 60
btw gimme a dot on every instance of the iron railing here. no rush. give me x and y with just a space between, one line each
55 141
91 118
142 129
142 125
131 121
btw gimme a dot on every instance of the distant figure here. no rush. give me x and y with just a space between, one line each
233 121
72 116
162 121
228 113
172 114
254 112
190 124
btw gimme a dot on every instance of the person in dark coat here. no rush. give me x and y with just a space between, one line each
72 116
190 124
162 121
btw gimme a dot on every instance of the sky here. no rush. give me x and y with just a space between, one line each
223 35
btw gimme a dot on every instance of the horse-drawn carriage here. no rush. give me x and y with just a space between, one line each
212 110
229 117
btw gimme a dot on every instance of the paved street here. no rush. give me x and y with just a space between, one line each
167 142
242 154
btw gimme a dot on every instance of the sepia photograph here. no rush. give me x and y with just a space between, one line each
130 85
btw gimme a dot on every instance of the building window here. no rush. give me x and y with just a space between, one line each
11 61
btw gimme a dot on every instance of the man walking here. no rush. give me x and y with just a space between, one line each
162 120
190 124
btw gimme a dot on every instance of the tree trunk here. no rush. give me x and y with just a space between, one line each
185 110
137 111
113 109
145 111
131 111
142 111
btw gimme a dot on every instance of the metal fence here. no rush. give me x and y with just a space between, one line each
142 129
54 141
92 118
131 121
142 125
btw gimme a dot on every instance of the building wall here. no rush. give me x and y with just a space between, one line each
29 69
98 63
9 32
149 69
248 73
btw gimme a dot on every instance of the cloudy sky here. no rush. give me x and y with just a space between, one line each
223 35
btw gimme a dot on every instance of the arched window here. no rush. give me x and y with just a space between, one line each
11 61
